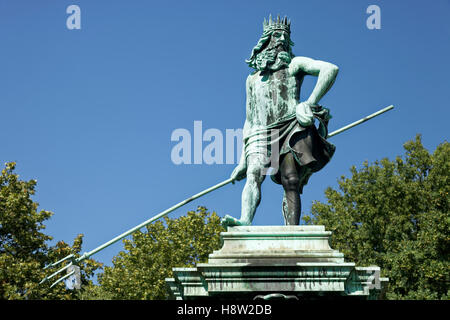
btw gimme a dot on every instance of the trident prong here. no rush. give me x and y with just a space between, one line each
73 262
62 278
70 256
57 272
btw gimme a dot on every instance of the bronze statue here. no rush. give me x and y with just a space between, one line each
279 131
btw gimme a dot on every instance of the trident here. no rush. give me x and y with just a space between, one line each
73 262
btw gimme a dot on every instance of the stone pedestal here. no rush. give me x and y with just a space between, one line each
291 262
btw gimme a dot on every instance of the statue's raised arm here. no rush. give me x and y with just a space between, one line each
326 74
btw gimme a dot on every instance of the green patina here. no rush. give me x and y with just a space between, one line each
276 119
287 264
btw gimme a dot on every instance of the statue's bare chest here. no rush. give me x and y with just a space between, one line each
272 96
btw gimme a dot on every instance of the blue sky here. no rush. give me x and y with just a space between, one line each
89 113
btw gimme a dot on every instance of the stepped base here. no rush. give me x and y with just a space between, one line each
276 262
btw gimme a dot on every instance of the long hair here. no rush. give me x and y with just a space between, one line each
261 45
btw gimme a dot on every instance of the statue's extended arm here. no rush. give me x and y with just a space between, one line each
326 75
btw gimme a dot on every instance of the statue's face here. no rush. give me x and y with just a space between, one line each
272 53
279 40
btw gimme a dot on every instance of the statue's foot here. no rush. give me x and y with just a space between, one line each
229 221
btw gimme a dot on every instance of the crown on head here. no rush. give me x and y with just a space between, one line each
278 24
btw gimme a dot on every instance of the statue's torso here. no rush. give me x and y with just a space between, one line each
272 97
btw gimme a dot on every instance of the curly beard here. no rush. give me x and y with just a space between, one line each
272 59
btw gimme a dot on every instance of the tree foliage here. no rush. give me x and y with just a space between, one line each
23 248
140 270
395 214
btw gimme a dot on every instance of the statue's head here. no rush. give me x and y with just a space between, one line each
274 49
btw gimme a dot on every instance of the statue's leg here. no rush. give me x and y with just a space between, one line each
291 184
251 194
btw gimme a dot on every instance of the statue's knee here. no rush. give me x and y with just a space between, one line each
290 182
255 174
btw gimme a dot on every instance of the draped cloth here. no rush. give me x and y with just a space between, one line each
308 145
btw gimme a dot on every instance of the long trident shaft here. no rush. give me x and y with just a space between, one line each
159 215
353 124
178 205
